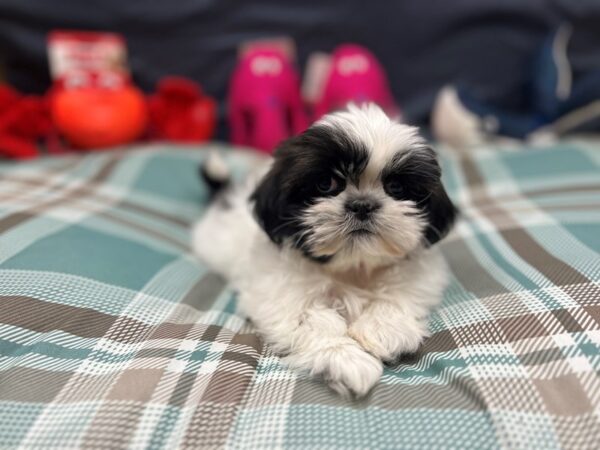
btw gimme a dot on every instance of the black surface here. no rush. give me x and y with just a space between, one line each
485 44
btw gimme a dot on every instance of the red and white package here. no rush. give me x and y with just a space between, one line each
85 57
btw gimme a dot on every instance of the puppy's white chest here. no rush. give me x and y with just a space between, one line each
349 302
352 291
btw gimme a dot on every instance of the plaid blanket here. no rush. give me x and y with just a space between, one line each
112 335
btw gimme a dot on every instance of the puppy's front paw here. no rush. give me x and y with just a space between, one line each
385 342
348 369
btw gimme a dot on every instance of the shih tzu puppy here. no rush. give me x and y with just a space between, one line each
331 245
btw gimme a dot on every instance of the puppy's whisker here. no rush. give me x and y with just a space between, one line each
301 236
420 202
287 223
438 233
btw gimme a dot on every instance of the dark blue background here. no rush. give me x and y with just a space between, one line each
485 44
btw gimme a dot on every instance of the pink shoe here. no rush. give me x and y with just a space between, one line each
265 106
356 76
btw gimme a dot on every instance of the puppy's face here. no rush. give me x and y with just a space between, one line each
355 188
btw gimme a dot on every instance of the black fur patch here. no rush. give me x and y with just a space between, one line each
441 214
419 175
301 163
215 185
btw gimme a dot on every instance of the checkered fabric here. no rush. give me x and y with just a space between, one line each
112 335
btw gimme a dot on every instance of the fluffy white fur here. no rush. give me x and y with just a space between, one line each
342 319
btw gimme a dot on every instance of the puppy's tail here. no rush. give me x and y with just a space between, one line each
215 172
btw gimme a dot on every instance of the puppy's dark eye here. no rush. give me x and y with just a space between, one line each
394 187
328 185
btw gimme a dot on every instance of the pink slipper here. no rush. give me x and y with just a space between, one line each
265 105
355 76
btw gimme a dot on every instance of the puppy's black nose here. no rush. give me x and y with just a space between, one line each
362 208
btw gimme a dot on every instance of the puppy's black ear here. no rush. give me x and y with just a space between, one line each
441 214
278 201
269 206
423 178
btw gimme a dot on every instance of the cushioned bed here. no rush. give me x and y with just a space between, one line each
113 335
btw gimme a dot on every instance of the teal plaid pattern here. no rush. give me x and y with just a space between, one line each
113 335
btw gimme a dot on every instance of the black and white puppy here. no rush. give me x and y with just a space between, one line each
331 249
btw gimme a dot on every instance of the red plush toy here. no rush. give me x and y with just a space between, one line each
93 101
180 112
24 122
98 110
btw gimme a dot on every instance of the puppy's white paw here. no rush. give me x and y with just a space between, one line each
348 369
387 343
